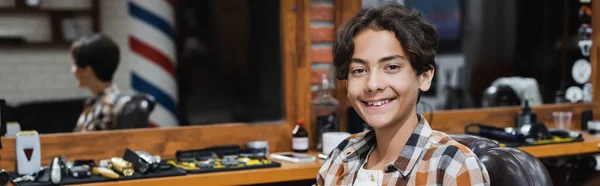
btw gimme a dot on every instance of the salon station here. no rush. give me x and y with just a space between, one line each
244 92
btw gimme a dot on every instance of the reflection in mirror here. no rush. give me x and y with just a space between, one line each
503 52
230 67
227 55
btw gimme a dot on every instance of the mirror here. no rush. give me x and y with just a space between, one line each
230 67
228 54
500 53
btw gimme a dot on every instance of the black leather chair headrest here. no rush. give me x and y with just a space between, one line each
477 144
511 167
133 110
506 166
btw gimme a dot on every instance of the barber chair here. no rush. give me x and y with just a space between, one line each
133 111
506 166
500 95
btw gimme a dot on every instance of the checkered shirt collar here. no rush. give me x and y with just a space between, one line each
407 158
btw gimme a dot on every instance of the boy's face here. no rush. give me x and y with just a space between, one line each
382 85
82 74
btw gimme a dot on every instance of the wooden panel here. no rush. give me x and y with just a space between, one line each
303 85
321 13
321 34
290 54
344 10
321 55
96 15
595 51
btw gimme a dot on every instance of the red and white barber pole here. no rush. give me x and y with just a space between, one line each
152 45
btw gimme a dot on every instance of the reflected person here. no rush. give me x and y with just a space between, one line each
94 62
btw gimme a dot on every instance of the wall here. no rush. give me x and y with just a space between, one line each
322 33
31 74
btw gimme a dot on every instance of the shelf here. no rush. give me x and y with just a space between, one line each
590 144
35 45
5 10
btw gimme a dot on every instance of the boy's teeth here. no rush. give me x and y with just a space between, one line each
378 103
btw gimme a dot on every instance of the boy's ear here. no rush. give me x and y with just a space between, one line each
87 71
426 79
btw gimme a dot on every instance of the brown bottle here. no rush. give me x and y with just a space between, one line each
299 137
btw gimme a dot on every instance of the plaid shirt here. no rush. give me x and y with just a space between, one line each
99 111
428 158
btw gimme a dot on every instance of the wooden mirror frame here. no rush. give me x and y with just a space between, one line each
296 46
166 141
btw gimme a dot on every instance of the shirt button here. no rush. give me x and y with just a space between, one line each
372 178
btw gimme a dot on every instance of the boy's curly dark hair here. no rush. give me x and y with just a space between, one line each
418 37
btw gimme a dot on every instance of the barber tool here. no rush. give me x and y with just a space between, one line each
40 176
142 161
252 153
121 166
225 150
58 169
139 164
506 134
216 151
535 132
229 161
165 166
105 172
90 163
208 163
28 152
25 178
153 160
80 171
185 156
4 177
526 133
81 168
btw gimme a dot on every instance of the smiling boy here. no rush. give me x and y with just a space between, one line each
386 54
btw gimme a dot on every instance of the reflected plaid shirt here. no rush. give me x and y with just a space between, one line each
428 158
99 111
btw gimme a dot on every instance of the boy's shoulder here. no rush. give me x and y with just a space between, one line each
447 148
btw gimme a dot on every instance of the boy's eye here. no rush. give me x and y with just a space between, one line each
358 71
393 67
